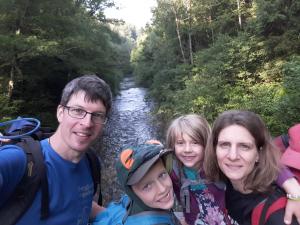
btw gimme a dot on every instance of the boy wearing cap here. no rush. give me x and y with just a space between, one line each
142 173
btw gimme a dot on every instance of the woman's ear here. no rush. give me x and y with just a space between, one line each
257 158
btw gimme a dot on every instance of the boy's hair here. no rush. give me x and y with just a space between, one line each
265 170
193 125
94 88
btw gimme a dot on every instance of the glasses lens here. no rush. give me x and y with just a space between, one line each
77 112
99 118
81 113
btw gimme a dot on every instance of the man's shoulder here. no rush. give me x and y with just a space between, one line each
45 144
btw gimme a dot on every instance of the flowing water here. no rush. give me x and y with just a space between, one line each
130 123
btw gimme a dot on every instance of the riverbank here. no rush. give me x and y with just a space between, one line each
130 123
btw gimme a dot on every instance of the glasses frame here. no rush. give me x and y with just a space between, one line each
85 113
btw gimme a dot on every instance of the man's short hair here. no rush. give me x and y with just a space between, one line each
94 87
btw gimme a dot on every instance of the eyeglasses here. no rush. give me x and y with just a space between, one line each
78 113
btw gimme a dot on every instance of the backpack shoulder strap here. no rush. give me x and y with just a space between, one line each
264 210
285 140
256 213
96 173
35 177
278 204
33 148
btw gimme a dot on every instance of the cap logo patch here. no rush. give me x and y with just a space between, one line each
126 158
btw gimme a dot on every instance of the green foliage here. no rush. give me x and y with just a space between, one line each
243 58
162 88
8 109
45 43
289 108
260 98
152 55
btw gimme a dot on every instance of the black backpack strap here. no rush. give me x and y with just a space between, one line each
285 140
33 147
25 192
274 202
96 172
263 214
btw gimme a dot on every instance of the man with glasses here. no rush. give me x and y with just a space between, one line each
82 114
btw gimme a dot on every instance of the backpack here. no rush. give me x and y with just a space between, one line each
273 206
289 144
179 180
116 214
27 133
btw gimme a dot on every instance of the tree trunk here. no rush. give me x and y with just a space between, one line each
178 33
239 13
210 23
10 85
190 33
14 62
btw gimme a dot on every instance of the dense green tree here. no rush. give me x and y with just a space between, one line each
45 43
245 56
289 108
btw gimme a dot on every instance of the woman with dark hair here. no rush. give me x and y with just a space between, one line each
240 153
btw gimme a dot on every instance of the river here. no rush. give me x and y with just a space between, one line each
130 123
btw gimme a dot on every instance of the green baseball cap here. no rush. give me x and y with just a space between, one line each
135 161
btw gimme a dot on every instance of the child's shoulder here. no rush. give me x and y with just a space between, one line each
152 217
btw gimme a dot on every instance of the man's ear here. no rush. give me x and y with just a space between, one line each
59 113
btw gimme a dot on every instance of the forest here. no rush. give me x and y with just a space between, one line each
207 56
46 43
200 56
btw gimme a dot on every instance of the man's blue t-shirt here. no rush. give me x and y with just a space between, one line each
70 188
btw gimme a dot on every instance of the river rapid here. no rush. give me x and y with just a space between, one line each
131 122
